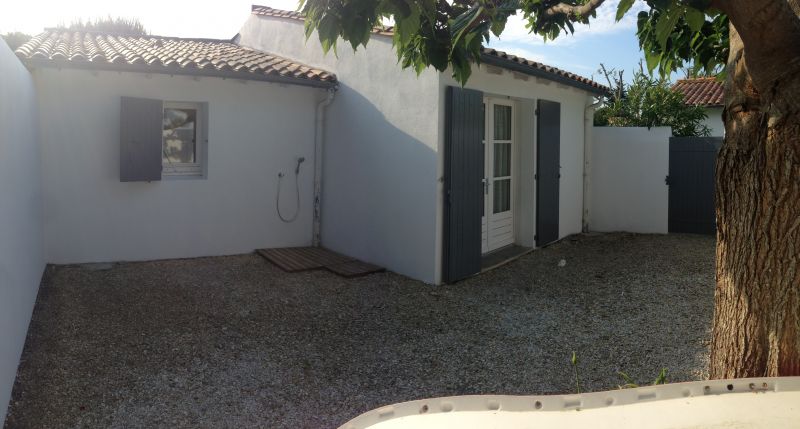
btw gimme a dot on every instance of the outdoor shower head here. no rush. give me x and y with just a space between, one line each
299 161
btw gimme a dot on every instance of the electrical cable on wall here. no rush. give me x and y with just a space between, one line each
297 193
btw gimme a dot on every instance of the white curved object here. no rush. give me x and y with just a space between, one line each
742 403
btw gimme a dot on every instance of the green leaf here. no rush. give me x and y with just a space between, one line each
498 25
463 22
326 30
662 377
629 383
623 8
405 28
666 24
571 27
652 59
695 19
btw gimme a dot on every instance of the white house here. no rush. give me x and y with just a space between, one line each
112 192
121 148
403 159
207 183
708 93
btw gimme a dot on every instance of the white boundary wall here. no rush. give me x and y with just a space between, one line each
21 248
628 191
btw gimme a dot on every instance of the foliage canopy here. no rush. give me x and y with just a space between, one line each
442 34
119 26
16 39
650 102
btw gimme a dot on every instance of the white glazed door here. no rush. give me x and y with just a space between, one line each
498 219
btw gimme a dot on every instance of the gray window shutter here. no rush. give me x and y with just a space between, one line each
140 139
463 185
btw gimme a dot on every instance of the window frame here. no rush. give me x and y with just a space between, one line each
196 169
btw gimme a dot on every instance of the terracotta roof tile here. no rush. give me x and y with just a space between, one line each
704 91
533 65
502 59
172 55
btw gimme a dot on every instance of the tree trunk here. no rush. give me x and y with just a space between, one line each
757 300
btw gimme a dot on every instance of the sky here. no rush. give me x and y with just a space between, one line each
604 41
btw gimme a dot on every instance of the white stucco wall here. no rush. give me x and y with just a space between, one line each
628 170
21 248
573 103
380 174
714 121
255 130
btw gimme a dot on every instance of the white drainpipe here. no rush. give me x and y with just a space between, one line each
588 124
318 143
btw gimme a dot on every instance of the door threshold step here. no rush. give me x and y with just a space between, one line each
503 256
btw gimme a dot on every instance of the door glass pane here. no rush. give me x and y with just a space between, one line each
502 122
180 134
502 159
502 195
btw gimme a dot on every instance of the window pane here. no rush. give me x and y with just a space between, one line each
502 122
180 136
502 159
502 195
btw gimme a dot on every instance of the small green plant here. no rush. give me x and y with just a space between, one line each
631 384
662 377
574 361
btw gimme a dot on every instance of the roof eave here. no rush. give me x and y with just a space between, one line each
705 104
301 20
143 68
532 71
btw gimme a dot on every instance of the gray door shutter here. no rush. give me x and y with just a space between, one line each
140 139
548 171
463 186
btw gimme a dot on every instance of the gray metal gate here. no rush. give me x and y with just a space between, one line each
691 184
548 171
463 183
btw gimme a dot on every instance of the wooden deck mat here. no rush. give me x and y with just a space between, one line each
295 259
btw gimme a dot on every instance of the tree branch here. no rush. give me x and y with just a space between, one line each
770 32
572 10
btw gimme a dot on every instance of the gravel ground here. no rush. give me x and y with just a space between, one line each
235 342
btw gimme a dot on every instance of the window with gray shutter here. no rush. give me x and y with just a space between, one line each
140 139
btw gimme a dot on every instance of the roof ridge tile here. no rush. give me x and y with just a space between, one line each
62 48
268 11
